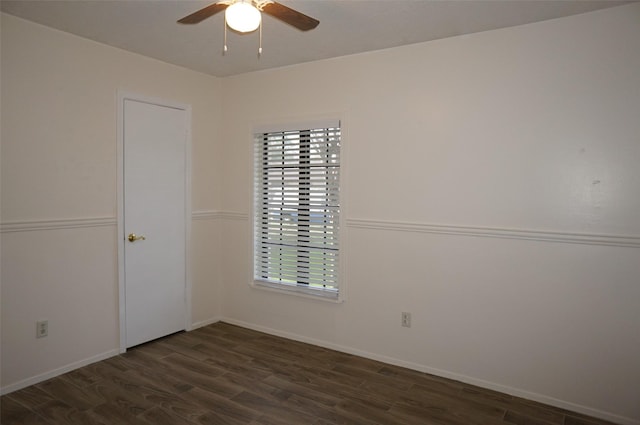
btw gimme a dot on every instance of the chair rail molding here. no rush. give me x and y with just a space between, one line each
234 215
629 241
205 215
56 224
219 215
84 222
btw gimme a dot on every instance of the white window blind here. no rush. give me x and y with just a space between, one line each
297 209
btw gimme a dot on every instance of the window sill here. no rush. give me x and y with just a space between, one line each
297 291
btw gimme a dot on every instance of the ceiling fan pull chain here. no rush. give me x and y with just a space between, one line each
260 46
224 48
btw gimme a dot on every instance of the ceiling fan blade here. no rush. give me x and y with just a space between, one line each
204 13
290 16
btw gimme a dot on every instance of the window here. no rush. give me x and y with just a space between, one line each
297 209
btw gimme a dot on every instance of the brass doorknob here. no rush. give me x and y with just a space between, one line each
132 237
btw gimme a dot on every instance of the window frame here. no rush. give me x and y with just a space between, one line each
298 289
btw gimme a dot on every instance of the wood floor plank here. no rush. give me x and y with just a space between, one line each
575 419
112 393
363 411
537 410
215 349
132 385
459 409
14 413
59 412
269 420
151 349
214 418
165 378
31 396
237 334
318 410
223 374
139 358
487 396
302 390
452 414
521 419
272 408
118 362
238 367
111 414
163 416
337 389
372 377
204 381
274 365
435 387
72 395
216 336
184 349
177 405
183 361
221 406
259 388
96 372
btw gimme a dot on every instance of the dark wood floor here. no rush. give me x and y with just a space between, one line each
224 374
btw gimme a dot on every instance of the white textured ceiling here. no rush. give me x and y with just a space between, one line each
149 27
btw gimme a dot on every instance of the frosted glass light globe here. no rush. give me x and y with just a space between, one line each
242 17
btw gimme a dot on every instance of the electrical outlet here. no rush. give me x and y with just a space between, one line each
42 328
406 319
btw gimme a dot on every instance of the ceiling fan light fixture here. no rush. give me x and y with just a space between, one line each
243 17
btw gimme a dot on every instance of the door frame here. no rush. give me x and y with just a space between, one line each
123 96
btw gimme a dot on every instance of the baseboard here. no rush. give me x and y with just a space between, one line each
207 322
56 372
443 373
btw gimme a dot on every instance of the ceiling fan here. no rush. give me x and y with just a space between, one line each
244 15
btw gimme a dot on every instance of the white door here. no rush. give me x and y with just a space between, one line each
154 168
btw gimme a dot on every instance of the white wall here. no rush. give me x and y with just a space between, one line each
490 188
59 171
